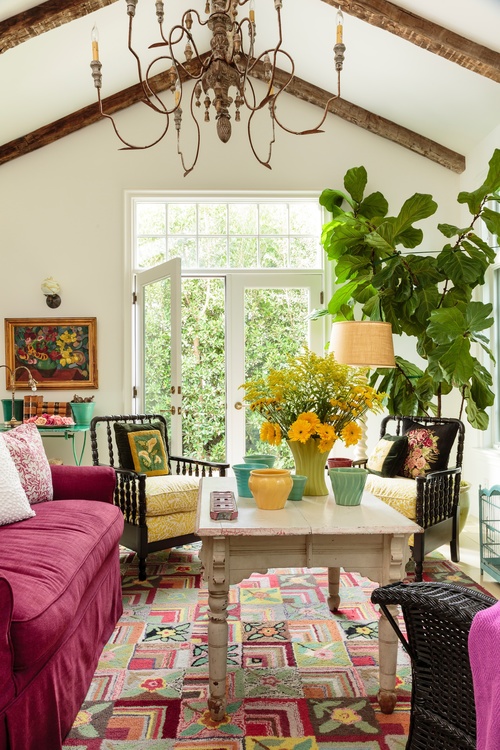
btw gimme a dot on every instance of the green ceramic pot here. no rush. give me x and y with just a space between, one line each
242 473
261 458
82 412
348 485
299 483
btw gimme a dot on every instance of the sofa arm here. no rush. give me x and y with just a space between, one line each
8 691
83 483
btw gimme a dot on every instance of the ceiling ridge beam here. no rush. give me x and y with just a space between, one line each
301 89
367 120
44 17
424 33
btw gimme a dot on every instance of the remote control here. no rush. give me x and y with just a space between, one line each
223 506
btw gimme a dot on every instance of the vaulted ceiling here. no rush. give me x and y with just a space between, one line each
422 73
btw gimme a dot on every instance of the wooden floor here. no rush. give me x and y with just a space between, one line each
469 557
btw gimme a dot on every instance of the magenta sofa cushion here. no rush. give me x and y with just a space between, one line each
50 561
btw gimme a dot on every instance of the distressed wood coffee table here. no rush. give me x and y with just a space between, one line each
371 539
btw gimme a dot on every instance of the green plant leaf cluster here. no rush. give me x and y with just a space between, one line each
427 296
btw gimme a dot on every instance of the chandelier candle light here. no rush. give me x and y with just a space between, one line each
229 64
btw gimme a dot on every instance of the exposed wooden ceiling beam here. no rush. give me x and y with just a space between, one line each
425 34
44 17
301 89
372 122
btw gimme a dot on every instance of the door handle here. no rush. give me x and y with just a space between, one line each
238 405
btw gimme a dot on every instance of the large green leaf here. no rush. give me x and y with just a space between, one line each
482 245
480 388
446 325
474 199
476 417
450 230
419 206
456 361
492 181
350 266
355 182
332 199
458 266
411 237
373 205
341 297
492 220
478 316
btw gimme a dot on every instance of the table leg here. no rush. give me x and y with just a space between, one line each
388 656
333 589
78 459
218 589
387 638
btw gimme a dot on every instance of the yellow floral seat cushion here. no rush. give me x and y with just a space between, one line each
171 504
398 492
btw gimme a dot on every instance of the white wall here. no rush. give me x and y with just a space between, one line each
481 461
62 214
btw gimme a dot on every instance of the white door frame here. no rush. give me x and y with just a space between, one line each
171 270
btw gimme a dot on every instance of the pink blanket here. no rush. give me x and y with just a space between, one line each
484 655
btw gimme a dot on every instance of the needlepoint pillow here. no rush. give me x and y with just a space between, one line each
429 447
14 505
122 431
388 456
26 449
148 452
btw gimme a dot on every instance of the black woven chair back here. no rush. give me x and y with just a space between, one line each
437 617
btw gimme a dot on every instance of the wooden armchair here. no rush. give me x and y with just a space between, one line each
431 500
159 509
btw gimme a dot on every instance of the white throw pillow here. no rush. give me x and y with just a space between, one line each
14 504
26 449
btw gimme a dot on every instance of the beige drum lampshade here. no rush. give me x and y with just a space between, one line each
365 343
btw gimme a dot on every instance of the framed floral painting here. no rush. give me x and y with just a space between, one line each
58 352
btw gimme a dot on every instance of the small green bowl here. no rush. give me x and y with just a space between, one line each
262 458
299 483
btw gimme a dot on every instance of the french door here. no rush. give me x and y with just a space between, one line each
267 323
157 346
235 326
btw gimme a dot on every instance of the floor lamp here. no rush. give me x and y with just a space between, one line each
367 344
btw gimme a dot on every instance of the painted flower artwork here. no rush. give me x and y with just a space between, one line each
56 353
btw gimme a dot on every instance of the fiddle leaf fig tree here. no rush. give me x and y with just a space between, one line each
428 296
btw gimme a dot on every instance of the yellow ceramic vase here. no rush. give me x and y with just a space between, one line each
270 487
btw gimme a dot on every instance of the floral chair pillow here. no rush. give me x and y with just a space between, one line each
429 447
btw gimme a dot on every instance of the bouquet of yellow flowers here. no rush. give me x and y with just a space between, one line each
312 397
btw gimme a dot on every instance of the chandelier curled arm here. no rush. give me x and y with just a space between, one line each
221 74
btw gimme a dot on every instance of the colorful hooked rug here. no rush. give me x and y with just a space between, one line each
299 678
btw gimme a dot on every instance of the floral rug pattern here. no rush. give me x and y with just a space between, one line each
299 677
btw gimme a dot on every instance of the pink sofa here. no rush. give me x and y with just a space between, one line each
60 598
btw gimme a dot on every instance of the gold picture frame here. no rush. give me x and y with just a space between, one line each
58 352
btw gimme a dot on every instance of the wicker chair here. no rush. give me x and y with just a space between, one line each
435 503
168 519
438 617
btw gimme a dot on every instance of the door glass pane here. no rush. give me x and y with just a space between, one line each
157 340
281 314
203 369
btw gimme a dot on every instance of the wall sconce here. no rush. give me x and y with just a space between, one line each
51 289
32 383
